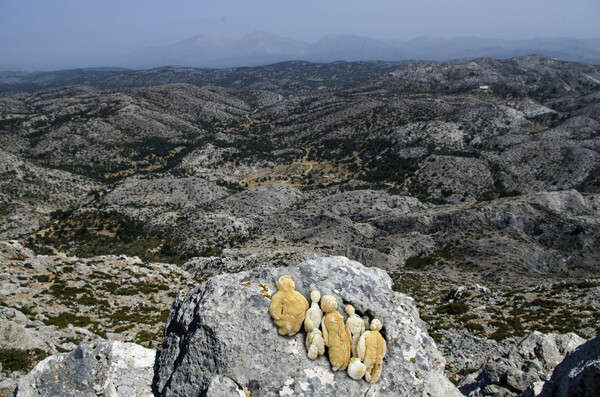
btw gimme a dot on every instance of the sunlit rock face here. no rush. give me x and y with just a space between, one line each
106 369
220 334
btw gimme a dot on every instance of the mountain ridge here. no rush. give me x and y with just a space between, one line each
259 48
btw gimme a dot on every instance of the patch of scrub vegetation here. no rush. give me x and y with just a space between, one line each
475 327
42 278
506 327
418 263
19 359
413 284
139 288
505 311
422 262
66 293
147 336
453 309
254 148
127 315
104 233
64 319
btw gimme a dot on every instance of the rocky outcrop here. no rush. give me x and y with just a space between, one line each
105 369
29 193
262 200
51 304
533 360
164 192
13 335
577 375
220 339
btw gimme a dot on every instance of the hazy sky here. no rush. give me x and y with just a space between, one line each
49 33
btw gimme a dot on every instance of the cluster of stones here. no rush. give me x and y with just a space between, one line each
349 346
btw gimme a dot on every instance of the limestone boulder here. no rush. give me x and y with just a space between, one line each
577 375
15 336
104 369
220 339
531 361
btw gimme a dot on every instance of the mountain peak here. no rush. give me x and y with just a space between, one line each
261 35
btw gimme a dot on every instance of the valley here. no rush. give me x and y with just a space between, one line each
474 184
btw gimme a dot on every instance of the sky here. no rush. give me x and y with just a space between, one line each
42 34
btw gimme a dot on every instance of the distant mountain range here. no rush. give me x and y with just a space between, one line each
261 48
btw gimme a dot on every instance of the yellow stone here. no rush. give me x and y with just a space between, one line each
371 350
288 307
334 334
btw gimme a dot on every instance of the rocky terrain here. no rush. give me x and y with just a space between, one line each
220 341
51 304
578 373
531 362
101 369
474 184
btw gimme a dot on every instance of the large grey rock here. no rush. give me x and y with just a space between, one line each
15 336
544 351
532 360
264 200
577 375
105 369
14 250
185 192
220 334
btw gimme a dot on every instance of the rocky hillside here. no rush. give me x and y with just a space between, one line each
459 141
221 341
51 304
475 184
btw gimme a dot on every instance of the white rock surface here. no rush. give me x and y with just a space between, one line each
108 369
533 360
577 375
222 328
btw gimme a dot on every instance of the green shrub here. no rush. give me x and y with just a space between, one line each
145 336
20 360
453 309
436 336
473 326
468 317
545 303
64 319
42 278
418 263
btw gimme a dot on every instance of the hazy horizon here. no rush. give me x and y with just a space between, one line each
36 34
